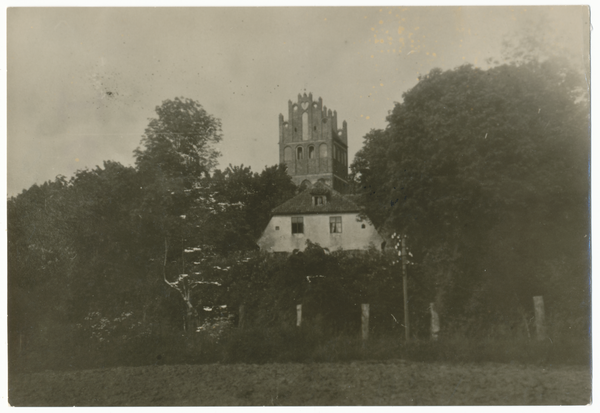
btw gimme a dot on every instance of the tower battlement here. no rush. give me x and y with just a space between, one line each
311 144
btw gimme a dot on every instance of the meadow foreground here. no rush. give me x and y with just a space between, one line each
394 382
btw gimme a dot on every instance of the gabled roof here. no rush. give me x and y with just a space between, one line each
303 202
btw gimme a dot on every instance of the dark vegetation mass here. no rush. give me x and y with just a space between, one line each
485 171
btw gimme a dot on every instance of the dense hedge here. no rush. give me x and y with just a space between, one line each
331 287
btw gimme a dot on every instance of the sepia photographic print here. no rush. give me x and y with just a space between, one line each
299 206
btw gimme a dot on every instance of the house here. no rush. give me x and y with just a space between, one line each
323 216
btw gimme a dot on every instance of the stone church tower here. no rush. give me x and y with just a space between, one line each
312 146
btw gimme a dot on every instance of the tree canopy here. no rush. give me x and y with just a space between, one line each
487 172
180 142
109 253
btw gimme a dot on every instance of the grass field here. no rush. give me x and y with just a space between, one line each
393 382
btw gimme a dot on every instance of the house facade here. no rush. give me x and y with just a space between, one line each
323 216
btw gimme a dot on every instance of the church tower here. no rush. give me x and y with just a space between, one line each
312 146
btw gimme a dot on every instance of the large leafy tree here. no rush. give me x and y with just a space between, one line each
180 141
176 151
40 260
229 212
75 250
188 213
486 170
257 194
174 160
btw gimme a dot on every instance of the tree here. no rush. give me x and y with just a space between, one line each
229 212
179 144
74 251
40 262
369 176
487 173
257 193
175 158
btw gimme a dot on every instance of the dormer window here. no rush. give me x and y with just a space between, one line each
319 200
319 195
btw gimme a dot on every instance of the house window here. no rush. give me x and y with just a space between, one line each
297 225
311 152
335 225
299 154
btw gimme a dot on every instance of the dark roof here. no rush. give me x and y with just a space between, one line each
354 198
303 202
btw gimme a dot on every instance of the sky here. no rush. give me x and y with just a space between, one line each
83 83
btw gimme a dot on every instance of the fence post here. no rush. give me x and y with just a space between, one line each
540 327
365 321
242 316
435 322
298 315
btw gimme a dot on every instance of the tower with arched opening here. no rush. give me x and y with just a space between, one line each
312 146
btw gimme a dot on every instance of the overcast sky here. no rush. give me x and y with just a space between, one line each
82 83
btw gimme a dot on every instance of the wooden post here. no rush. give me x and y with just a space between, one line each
435 322
365 321
405 288
540 327
298 315
242 316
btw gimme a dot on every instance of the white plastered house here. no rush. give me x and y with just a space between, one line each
323 216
